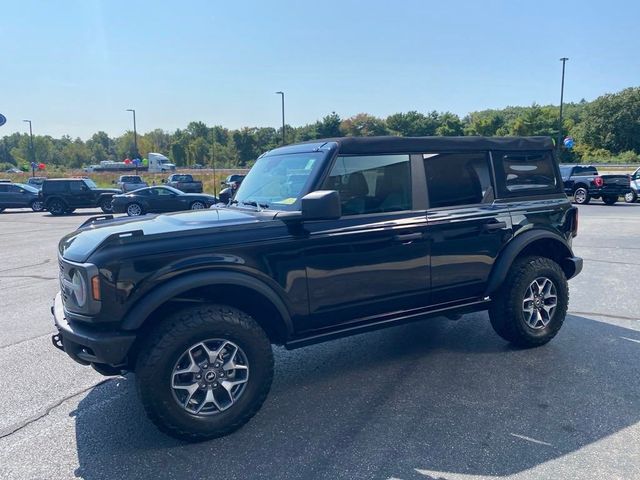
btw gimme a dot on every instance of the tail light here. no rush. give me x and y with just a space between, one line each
598 181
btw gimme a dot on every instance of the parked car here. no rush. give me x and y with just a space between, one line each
129 183
583 182
19 195
13 170
632 196
36 182
160 199
184 182
63 195
235 178
382 231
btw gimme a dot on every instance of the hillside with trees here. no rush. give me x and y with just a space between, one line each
605 130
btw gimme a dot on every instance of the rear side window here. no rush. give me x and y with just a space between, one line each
521 173
4 188
54 186
585 171
458 179
371 184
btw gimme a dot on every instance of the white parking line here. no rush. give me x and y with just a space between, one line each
529 439
631 339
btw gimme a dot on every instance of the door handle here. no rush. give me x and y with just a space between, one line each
487 227
408 237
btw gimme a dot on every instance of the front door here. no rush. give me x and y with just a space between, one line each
466 229
374 261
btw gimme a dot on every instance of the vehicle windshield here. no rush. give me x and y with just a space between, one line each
90 183
28 188
131 179
278 181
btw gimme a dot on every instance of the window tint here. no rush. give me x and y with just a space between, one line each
371 184
519 172
4 188
458 179
585 171
76 186
54 186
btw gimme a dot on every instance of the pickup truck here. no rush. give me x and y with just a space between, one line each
632 196
129 183
184 182
583 182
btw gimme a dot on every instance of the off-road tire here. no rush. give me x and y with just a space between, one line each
610 199
106 206
506 310
167 342
57 207
581 196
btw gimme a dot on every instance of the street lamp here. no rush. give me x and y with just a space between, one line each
563 60
135 138
283 132
33 152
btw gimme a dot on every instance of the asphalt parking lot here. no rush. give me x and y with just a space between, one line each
431 400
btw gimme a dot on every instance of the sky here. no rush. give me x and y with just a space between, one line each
73 67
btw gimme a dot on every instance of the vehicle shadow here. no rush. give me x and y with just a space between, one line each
442 396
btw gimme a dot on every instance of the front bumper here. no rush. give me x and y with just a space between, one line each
87 346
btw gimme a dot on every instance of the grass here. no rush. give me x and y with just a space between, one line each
106 179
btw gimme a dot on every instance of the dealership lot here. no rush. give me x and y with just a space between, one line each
436 399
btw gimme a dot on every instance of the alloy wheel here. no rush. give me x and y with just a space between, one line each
210 377
197 206
134 210
539 303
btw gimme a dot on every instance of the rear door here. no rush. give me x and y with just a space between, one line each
374 260
5 196
466 228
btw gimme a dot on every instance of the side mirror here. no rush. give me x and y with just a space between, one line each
321 205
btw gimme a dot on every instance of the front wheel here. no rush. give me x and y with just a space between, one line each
581 196
531 305
204 372
631 197
37 206
198 206
106 205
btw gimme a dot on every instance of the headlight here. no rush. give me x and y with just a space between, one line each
79 289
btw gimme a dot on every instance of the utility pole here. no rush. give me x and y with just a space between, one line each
33 152
564 61
135 138
213 160
283 127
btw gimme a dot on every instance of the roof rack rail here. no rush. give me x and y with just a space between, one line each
98 218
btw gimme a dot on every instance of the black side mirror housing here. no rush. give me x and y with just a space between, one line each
321 205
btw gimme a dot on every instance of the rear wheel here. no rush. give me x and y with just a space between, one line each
106 206
198 206
37 206
581 196
610 199
57 207
631 197
134 210
531 305
204 372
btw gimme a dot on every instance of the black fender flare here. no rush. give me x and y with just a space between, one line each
146 305
516 246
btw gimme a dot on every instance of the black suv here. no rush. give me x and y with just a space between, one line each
63 195
323 240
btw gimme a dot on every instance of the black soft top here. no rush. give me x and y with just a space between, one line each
374 145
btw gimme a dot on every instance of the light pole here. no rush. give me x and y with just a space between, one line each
33 152
564 61
135 138
213 160
283 133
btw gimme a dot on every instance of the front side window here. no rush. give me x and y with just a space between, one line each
76 186
90 183
522 172
371 184
458 179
